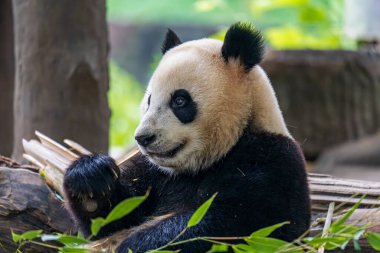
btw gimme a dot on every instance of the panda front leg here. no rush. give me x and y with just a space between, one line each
92 189
158 233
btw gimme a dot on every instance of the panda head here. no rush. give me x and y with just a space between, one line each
202 96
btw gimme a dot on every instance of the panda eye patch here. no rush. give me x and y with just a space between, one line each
183 106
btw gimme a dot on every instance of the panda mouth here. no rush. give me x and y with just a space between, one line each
169 154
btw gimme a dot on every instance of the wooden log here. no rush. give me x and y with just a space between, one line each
27 203
354 159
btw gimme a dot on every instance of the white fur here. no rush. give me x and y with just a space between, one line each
228 99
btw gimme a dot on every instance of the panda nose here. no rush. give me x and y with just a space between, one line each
145 139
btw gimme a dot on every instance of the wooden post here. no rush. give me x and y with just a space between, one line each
61 71
6 77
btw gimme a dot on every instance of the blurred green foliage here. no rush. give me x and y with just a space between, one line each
124 99
181 11
295 24
286 24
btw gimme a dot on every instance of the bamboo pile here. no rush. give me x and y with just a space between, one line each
52 158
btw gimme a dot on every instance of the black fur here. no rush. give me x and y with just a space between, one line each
188 111
171 40
260 182
243 41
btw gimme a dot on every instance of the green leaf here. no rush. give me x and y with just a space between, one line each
270 245
344 245
200 212
80 235
265 244
29 235
336 224
75 250
328 242
374 240
312 14
264 232
242 248
66 240
163 251
122 209
96 225
130 251
218 248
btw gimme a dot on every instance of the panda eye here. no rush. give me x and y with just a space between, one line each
179 102
183 106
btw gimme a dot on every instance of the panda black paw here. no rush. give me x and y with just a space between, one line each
91 177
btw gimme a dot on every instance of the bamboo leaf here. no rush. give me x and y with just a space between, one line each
328 242
374 240
242 248
29 235
96 225
122 209
66 240
163 251
264 232
200 212
75 250
336 224
268 245
218 248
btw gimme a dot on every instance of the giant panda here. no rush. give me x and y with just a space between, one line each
210 124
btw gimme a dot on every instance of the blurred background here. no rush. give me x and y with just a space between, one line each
78 70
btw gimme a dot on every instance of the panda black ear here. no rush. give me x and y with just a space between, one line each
171 40
243 41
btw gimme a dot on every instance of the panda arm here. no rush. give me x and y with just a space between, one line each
146 238
94 185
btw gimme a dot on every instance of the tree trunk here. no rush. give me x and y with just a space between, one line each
328 97
6 77
61 71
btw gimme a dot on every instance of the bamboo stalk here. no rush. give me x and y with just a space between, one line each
55 146
53 178
33 160
77 147
128 156
327 225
